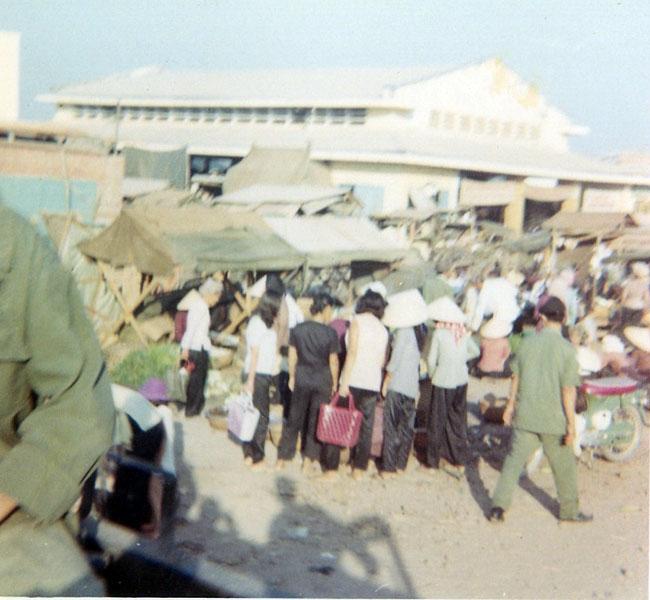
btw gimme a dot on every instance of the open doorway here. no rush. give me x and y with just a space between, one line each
535 213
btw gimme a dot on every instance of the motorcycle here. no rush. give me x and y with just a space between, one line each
614 409
610 412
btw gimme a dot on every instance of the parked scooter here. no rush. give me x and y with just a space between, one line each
610 422
609 411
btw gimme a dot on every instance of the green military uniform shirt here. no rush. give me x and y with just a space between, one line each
545 363
56 412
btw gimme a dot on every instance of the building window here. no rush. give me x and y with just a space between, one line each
162 114
280 115
358 116
244 115
337 116
299 115
261 115
209 114
465 123
148 113
319 115
133 112
450 120
107 112
226 115
434 119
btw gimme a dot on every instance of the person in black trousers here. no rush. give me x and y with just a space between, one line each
195 344
313 373
260 367
362 372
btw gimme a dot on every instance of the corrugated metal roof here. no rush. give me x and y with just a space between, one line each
280 194
328 240
268 86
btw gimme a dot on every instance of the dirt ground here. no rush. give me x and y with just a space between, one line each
421 535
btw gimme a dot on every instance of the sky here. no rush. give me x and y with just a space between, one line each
588 57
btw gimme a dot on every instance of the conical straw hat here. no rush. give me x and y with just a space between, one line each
639 337
405 309
446 311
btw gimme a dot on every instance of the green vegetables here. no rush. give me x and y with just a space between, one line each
141 365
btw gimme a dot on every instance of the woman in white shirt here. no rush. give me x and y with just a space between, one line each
362 374
195 344
260 366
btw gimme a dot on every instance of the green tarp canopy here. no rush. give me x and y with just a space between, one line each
236 250
129 240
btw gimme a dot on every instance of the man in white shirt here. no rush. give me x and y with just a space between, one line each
497 297
195 345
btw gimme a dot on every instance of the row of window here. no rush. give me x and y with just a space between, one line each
353 116
481 126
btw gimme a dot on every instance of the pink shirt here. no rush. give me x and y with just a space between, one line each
494 354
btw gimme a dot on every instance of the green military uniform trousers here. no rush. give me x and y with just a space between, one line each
42 560
563 466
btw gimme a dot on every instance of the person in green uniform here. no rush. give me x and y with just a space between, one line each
56 416
541 409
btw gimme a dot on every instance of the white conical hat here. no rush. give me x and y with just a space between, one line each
588 360
639 337
612 344
405 309
496 328
374 286
445 310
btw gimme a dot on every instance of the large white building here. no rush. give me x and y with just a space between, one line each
477 135
9 75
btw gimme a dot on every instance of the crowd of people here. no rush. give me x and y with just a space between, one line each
379 352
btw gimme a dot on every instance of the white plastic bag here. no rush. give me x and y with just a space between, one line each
242 417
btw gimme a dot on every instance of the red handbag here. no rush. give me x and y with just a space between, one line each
337 425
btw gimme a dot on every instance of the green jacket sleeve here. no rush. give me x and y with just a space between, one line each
70 423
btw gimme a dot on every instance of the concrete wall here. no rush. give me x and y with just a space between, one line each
49 161
9 75
396 180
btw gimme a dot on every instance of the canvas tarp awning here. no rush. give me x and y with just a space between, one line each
608 199
170 165
283 200
167 198
330 240
577 224
487 193
558 193
199 219
131 241
236 250
634 242
275 166
139 186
